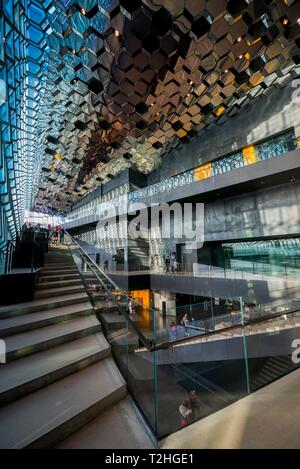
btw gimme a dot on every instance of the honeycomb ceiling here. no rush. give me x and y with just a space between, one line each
128 81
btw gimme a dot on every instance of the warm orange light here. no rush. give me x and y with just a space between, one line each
239 39
226 71
117 33
83 11
285 21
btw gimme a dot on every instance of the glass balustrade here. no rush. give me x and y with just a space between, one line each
272 148
218 353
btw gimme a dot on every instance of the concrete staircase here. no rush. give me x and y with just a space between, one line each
60 375
274 368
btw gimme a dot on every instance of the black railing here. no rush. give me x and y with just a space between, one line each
9 256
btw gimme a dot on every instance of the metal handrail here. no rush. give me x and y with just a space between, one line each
166 345
94 267
9 256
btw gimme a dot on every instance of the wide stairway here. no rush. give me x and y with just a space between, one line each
60 386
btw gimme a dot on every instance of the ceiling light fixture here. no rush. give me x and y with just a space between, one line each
83 11
239 39
117 33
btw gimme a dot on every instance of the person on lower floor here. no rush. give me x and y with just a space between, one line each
131 307
106 266
194 404
185 413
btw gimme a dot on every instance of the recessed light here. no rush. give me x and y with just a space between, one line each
285 21
83 11
226 71
241 56
117 33
4 39
74 51
239 39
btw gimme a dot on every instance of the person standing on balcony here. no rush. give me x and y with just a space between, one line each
172 262
185 322
173 331
168 265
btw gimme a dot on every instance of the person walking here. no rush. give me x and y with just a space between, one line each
130 307
185 322
55 235
62 235
105 266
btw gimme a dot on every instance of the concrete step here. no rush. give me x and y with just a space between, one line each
57 284
54 273
46 278
121 425
48 416
77 287
41 305
29 322
27 343
28 374
58 266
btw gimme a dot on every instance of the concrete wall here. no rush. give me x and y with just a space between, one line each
170 299
268 212
264 117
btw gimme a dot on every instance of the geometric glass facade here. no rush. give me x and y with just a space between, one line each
22 75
